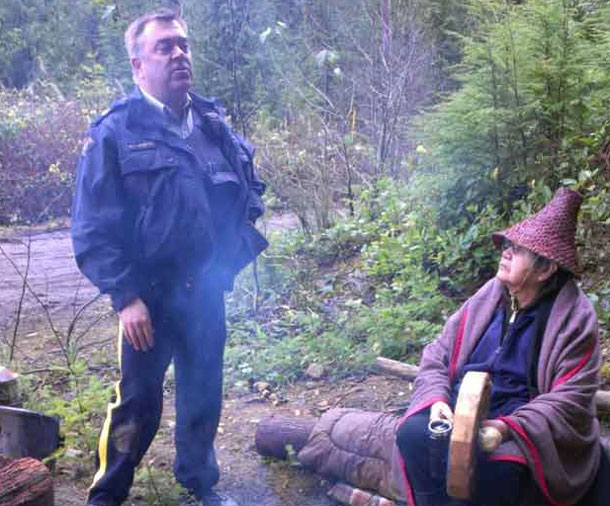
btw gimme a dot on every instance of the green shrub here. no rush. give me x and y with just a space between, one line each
41 135
392 331
85 396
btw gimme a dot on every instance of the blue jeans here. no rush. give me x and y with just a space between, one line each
189 326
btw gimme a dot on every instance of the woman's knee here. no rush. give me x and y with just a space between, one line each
500 483
411 434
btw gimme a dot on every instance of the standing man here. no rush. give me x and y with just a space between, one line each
165 202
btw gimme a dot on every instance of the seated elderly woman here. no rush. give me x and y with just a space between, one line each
534 330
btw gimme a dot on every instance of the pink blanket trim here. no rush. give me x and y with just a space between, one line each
508 458
576 368
539 473
458 345
410 498
452 369
424 405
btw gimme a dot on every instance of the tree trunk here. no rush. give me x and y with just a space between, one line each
25 482
274 433
386 31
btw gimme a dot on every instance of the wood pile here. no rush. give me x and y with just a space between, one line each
24 481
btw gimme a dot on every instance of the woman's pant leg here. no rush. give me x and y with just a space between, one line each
497 483
500 483
599 491
429 488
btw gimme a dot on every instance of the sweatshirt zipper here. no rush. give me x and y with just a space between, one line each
514 309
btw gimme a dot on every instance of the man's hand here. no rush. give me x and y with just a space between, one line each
440 410
137 325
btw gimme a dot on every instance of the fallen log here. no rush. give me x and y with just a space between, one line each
275 433
355 489
395 368
352 496
25 482
409 372
602 400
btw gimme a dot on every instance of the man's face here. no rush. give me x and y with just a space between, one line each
163 66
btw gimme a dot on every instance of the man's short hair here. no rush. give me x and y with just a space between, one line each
136 27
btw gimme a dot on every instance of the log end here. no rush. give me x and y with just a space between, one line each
275 433
25 482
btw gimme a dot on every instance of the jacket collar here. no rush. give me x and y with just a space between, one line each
142 113
143 117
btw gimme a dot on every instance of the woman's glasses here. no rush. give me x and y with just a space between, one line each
508 244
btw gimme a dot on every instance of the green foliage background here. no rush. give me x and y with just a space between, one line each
399 133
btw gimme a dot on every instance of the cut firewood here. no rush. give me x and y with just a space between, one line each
275 433
25 433
9 387
352 496
410 372
25 482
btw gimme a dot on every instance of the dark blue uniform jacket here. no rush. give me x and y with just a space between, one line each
144 205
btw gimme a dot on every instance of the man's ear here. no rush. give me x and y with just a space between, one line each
136 65
546 273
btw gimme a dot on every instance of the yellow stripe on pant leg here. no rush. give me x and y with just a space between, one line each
104 436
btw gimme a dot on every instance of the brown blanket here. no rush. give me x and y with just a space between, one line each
354 446
556 434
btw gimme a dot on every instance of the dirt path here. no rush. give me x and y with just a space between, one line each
252 480
52 276
246 476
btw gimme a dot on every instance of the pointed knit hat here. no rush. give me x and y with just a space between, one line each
551 232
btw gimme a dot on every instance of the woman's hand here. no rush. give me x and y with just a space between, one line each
500 426
441 410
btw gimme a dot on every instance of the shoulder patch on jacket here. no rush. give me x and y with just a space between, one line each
88 143
119 104
204 105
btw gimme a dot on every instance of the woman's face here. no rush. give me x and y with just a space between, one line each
516 267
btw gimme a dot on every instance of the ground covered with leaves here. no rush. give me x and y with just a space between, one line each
381 281
67 359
